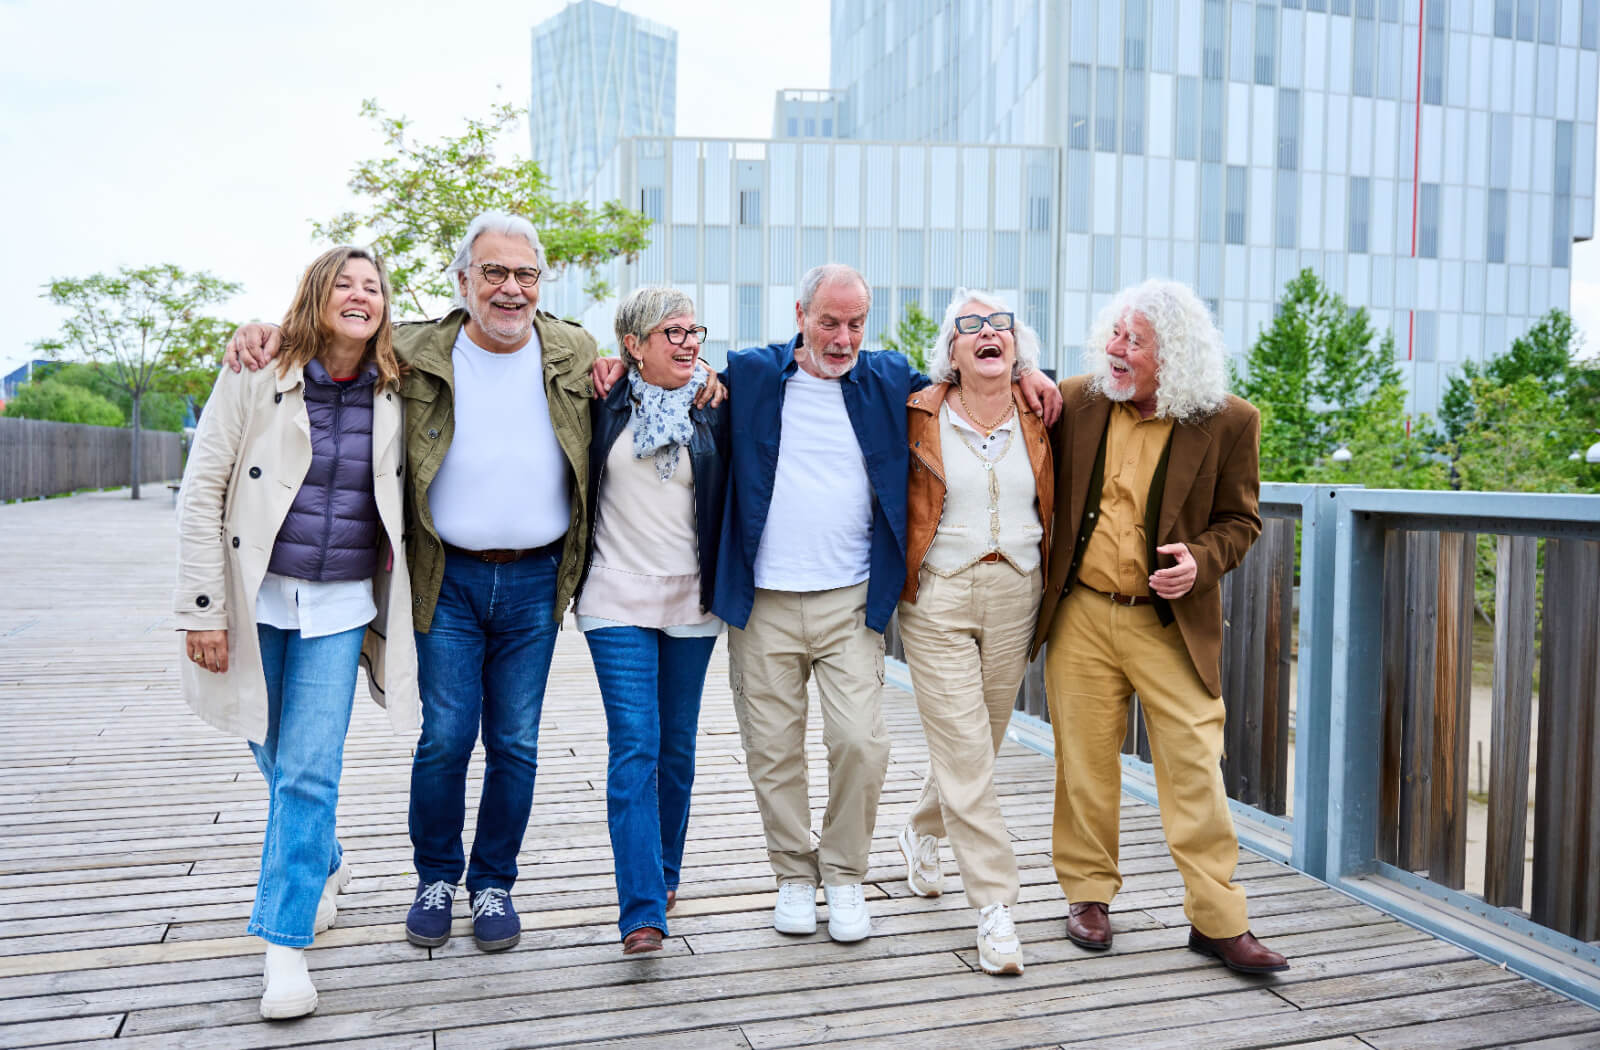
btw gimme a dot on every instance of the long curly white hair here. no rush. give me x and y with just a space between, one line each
1191 374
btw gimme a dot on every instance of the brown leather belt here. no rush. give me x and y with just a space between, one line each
506 555
992 556
1129 600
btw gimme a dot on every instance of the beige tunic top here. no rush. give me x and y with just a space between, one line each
644 570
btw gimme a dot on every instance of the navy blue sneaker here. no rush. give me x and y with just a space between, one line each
495 925
428 921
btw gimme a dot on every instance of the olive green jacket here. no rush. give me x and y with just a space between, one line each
429 392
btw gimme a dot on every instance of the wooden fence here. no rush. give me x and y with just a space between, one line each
1426 715
41 458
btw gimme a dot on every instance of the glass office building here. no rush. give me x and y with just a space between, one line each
599 75
1432 161
737 222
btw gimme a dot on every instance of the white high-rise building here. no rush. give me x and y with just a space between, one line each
599 75
1432 161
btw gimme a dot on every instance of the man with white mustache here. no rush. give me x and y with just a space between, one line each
812 562
1156 497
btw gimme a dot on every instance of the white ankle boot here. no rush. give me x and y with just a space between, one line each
328 904
289 991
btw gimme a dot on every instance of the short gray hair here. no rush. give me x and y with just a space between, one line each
829 273
1026 339
491 222
644 308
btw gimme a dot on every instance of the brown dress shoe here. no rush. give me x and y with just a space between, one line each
1089 925
644 939
1242 954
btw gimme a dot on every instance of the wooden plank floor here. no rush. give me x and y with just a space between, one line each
130 832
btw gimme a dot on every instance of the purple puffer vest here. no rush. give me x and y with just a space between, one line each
332 530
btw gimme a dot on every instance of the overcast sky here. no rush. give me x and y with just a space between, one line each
210 134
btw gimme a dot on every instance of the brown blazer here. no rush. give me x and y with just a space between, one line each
925 485
1209 501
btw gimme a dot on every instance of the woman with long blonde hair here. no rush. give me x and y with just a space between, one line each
291 573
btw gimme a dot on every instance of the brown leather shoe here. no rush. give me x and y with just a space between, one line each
1241 954
1089 925
644 939
672 898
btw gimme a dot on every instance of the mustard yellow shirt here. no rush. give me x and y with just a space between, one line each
1114 560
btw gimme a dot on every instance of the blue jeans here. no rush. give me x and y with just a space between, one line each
483 662
311 684
651 685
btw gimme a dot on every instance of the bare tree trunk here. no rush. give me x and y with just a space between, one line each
138 458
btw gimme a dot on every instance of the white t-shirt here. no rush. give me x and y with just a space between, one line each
504 479
818 534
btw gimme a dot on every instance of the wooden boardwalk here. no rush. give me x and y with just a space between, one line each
130 834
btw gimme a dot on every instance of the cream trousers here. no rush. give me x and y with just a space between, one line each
966 640
789 638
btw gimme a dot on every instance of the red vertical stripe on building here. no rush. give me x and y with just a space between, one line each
1416 180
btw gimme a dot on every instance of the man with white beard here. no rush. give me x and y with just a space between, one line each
811 566
1157 489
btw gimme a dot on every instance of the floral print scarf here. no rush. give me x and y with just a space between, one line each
661 422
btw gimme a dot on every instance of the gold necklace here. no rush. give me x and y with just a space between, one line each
987 428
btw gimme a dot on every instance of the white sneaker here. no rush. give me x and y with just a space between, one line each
999 950
797 908
289 991
847 912
328 906
923 876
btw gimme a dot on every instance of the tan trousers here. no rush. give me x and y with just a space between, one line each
1099 654
966 640
789 637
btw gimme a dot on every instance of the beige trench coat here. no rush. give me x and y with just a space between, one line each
250 455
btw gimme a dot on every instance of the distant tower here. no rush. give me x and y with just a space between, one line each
799 113
599 75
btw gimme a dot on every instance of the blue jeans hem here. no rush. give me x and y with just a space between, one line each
286 940
662 926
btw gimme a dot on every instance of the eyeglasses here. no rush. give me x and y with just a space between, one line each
966 324
676 335
495 274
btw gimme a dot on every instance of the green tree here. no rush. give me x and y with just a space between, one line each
913 336
159 410
418 199
1545 353
1517 439
1322 376
62 402
1384 452
139 328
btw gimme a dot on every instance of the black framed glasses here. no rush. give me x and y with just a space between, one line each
676 334
966 324
495 274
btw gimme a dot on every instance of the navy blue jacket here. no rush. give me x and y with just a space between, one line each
332 528
875 393
708 456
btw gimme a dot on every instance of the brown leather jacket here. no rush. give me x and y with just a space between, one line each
925 486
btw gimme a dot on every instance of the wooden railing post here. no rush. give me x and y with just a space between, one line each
1452 704
1512 720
